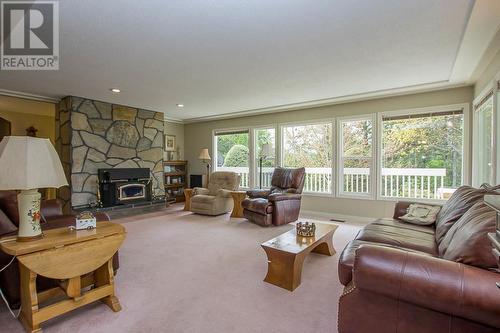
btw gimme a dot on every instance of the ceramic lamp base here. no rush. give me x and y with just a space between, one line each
28 202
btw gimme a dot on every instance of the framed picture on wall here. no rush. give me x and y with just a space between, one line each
169 142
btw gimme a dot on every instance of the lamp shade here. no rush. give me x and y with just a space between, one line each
204 155
29 163
266 150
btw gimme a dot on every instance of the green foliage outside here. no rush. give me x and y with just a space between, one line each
308 146
226 142
428 142
237 156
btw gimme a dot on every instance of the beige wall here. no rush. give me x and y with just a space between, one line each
24 113
489 73
176 129
489 65
199 135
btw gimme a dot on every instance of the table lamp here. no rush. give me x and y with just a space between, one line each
26 164
205 157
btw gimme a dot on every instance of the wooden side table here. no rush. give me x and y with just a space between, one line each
238 197
188 193
66 255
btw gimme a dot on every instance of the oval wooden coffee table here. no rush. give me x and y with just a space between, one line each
287 252
66 255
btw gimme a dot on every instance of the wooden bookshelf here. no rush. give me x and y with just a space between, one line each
175 179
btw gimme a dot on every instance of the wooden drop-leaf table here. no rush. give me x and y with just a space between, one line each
66 255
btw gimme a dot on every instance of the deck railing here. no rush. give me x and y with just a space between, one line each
402 182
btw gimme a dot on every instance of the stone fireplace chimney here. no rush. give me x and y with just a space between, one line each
92 135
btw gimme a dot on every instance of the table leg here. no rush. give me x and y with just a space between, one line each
29 299
284 269
104 276
325 247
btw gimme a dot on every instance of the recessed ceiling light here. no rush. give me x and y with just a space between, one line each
115 90
180 105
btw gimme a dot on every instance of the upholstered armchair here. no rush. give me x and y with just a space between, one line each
216 199
278 205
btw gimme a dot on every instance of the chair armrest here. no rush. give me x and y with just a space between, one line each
200 190
433 283
283 196
224 193
50 209
253 194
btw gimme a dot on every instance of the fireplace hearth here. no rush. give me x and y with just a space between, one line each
122 186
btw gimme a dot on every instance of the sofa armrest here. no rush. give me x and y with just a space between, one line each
401 208
50 209
200 190
224 193
283 196
433 283
253 194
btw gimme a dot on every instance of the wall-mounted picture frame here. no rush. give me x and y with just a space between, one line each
169 142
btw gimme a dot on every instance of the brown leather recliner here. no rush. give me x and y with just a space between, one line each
280 204
402 277
51 217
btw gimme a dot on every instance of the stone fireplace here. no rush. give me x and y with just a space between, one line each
93 135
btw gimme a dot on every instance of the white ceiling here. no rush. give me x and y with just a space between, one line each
225 57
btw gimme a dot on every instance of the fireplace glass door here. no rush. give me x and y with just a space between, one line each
131 192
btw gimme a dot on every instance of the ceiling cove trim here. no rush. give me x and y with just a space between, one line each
428 87
33 97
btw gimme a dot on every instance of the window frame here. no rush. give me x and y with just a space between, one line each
335 190
332 122
254 130
432 109
216 132
340 158
493 87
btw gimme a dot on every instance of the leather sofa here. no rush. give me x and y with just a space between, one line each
216 199
402 277
51 217
278 205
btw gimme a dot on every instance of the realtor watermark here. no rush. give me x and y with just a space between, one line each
29 35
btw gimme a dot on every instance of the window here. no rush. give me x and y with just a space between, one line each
310 146
232 154
483 142
265 157
421 155
356 156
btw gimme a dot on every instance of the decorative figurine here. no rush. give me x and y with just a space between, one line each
305 229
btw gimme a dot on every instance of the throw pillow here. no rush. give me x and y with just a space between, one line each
456 206
467 240
421 214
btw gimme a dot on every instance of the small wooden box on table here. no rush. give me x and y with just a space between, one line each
66 255
287 252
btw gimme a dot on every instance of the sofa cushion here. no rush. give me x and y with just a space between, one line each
223 180
258 205
6 225
429 229
8 203
346 260
467 241
202 198
459 203
399 237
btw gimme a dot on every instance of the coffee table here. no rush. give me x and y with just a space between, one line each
287 252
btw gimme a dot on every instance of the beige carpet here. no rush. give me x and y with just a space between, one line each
182 272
